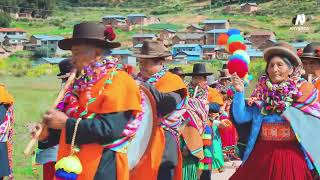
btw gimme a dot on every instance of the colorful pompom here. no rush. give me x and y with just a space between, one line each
250 77
238 56
235 38
244 54
68 168
233 31
238 66
236 46
222 39
61 174
230 93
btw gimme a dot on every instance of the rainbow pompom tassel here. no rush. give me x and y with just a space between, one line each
68 168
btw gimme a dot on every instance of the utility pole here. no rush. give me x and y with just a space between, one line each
141 25
47 47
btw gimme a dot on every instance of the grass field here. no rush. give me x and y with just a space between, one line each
33 96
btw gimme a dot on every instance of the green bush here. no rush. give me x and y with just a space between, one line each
257 68
19 68
3 67
41 70
5 19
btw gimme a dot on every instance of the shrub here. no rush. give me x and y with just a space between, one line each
19 68
3 67
5 19
41 70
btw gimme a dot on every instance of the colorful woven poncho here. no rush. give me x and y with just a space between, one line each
6 127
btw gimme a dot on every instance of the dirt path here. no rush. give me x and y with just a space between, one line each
229 170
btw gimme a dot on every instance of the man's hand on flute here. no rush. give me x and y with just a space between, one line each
55 119
36 128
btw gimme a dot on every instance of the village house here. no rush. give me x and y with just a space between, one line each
151 20
210 24
125 56
194 28
12 31
208 52
192 52
299 44
212 35
227 9
268 43
117 21
190 55
139 38
14 41
25 14
167 34
259 37
137 47
189 38
14 15
136 19
221 53
113 20
249 7
48 43
255 53
13 37
121 54
247 43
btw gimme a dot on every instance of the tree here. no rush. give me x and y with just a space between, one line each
5 19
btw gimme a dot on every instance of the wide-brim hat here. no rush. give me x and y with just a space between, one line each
177 71
152 49
199 69
282 52
65 68
89 33
312 50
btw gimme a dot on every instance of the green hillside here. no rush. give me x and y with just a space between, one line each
176 14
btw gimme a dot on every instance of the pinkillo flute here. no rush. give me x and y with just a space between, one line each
28 150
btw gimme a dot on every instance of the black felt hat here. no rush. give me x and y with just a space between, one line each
199 69
89 33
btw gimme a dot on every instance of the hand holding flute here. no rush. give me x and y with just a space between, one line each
51 119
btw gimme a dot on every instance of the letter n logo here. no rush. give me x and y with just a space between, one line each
301 19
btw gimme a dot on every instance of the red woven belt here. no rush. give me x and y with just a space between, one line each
277 132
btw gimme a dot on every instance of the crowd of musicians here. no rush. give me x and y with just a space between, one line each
203 121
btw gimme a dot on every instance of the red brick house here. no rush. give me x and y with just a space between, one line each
249 7
259 37
227 9
139 38
136 19
268 43
194 28
189 38
166 34
212 35
210 24
114 20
